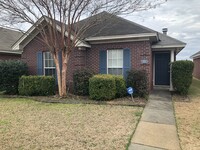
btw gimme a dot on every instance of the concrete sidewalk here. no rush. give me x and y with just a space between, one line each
157 128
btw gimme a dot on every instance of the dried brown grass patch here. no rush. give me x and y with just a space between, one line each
26 124
188 122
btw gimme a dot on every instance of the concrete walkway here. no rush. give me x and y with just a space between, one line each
156 129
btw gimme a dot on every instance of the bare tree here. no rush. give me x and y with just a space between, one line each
63 29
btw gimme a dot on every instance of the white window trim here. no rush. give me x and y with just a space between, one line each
45 63
122 60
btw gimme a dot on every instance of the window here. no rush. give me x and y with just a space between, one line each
49 65
115 62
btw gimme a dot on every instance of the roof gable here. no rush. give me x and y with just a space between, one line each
107 26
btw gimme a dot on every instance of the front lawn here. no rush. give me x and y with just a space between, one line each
26 124
188 117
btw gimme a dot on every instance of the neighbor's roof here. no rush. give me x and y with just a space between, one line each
7 38
196 55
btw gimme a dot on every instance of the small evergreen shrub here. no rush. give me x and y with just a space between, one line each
182 76
37 85
10 72
102 87
81 81
120 86
138 80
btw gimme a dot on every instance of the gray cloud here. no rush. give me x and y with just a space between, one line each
181 17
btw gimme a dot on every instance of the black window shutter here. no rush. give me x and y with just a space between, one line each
39 63
126 61
103 62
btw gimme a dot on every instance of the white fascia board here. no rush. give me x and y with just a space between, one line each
11 52
195 56
82 44
168 46
79 43
116 37
16 46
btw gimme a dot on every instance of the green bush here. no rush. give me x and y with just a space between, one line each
137 79
10 72
102 87
81 81
37 85
120 86
182 76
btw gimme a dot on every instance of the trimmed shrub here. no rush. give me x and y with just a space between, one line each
10 72
37 85
81 81
120 86
102 87
137 79
182 76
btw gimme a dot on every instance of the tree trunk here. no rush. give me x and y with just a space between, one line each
64 80
56 59
64 74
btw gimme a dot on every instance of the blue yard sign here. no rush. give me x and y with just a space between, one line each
130 91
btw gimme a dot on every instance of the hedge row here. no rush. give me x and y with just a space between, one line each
10 72
37 85
106 87
182 76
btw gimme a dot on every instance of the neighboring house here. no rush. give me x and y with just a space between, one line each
196 60
7 39
111 47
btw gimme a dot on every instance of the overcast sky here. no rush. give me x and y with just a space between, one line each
181 17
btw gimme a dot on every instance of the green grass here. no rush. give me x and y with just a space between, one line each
194 88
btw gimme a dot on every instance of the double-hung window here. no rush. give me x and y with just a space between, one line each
49 65
115 62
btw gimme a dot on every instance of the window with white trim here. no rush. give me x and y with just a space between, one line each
115 62
49 65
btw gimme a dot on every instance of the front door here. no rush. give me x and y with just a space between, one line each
162 68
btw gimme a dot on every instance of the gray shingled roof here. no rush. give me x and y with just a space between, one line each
112 25
8 38
166 40
196 55
109 25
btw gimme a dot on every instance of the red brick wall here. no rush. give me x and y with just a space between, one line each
196 71
90 58
9 57
29 56
139 51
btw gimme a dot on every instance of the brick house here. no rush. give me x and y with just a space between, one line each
196 60
111 47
